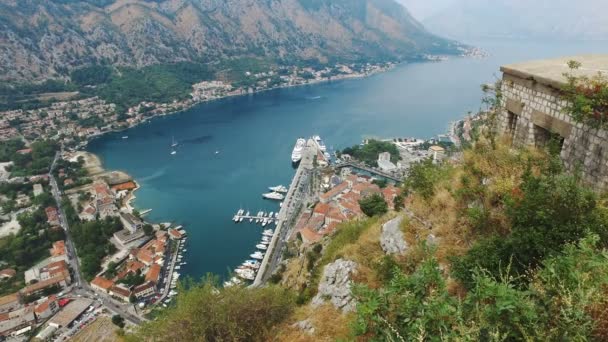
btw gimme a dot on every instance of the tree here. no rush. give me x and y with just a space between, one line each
373 205
118 321
399 202
148 229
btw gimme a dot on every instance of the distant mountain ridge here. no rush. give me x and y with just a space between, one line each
544 19
47 39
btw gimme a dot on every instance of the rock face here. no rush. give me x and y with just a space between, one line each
335 285
48 38
391 240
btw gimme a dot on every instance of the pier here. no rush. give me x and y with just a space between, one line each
290 208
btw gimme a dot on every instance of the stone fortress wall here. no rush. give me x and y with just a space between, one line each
533 113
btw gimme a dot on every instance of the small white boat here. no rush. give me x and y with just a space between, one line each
268 232
125 137
271 214
274 196
173 152
217 152
257 255
264 222
173 142
279 188
261 246
276 215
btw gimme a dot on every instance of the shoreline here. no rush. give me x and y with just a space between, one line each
168 113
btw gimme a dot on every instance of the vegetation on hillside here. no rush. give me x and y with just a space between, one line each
92 239
368 153
587 97
28 163
207 313
30 245
502 246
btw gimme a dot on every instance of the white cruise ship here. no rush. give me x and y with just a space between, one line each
296 155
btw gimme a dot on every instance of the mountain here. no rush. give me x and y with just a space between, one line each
544 19
42 39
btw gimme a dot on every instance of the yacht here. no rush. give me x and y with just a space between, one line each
257 255
264 222
296 154
279 188
261 246
274 196
319 142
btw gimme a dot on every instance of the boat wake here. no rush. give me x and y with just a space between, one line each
197 141
155 175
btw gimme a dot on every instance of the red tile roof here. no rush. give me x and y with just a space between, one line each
102 282
153 274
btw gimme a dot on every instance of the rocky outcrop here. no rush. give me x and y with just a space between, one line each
335 285
305 325
42 38
391 239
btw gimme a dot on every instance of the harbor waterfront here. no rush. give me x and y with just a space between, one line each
230 151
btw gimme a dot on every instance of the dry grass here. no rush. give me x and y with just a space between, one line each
102 330
329 323
493 174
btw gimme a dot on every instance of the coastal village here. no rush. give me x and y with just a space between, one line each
73 122
140 271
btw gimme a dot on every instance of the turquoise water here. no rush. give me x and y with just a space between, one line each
254 135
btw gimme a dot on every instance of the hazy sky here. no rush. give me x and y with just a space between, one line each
421 9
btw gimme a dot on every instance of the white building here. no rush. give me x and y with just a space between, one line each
384 162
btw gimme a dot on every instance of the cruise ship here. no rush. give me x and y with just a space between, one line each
296 154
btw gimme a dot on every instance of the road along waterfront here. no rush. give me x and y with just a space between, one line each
294 200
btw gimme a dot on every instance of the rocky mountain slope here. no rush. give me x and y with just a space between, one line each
48 38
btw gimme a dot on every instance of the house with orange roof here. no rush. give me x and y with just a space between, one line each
52 216
334 215
130 185
321 209
102 284
333 192
175 234
329 228
309 236
7 273
58 251
60 280
144 290
145 256
153 274
350 209
389 193
120 292
46 307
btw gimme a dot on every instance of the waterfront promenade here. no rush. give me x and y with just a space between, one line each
291 205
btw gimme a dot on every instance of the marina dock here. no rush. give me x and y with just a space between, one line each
289 209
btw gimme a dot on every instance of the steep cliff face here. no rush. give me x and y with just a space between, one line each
41 39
